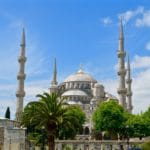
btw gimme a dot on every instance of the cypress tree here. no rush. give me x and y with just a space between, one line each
7 113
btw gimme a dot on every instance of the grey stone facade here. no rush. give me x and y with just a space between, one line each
11 136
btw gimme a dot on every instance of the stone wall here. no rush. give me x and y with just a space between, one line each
14 139
1 137
90 145
93 145
11 136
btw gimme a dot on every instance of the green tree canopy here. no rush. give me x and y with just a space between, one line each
109 116
137 126
7 113
50 113
71 130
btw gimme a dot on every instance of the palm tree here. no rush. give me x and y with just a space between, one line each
47 113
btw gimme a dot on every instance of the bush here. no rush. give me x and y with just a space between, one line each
146 146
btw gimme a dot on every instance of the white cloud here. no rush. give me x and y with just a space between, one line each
140 62
106 21
144 20
141 92
111 86
128 15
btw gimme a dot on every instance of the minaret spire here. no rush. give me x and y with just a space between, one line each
54 81
129 92
21 77
121 69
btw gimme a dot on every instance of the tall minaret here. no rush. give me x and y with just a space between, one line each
21 77
53 88
121 70
129 92
54 81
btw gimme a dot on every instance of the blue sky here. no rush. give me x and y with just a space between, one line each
75 32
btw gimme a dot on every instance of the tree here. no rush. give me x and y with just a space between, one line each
139 124
109 116
49 113
38 137
71 130
7 113
146 117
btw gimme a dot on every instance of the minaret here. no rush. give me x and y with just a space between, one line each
54 81
121 70
21 77
129 92
53 88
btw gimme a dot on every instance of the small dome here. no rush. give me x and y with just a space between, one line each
80 76
97 85
74 92
110 96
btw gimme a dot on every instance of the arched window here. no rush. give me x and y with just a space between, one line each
86 131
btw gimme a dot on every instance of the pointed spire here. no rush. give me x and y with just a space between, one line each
54 81
23 42
121 37
121 33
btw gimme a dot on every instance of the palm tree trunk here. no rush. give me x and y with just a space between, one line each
51 142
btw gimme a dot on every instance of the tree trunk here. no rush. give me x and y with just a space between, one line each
51 142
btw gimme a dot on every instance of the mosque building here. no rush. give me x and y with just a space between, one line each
81 88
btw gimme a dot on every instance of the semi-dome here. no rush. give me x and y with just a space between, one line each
75 92
80 76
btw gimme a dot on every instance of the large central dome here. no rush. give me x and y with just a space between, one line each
80 76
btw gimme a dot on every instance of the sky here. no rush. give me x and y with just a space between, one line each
74 32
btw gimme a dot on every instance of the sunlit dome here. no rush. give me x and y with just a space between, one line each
80 76
74 92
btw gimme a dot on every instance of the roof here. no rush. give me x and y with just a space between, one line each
74 92
80 76
108 95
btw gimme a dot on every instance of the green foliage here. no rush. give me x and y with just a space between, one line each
47 114
54 117
7 113
109 116
137 126
146 146
146 117
66 147
38 137
77 117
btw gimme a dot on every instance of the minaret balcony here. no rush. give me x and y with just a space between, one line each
122 90
22 59
129 81
121 72
121 54
20 93
129 93
21 76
